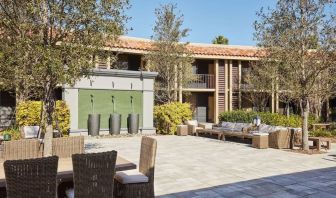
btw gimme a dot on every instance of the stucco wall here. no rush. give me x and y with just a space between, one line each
105 83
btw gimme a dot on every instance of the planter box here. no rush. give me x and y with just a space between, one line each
30 131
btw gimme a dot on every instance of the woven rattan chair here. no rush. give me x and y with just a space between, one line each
31 177
130 184
93 174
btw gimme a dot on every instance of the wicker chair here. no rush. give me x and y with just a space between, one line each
93 174
31 177
141 184
22 149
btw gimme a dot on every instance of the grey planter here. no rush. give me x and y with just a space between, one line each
94 124
133 123
115 124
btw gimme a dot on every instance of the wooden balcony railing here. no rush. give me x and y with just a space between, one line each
202 81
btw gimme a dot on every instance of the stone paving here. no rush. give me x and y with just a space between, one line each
201 167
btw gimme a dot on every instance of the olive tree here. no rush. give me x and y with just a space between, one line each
47 43
170 58
298 41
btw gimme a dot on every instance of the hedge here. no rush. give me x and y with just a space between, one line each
168 116
28 113
274 119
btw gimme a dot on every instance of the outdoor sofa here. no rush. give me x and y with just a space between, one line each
279 137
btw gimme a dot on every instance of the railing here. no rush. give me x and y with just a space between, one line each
246 87
202 81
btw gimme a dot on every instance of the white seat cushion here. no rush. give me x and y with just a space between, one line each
192 122
130 177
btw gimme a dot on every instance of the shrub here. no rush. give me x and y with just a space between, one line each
266 118
168 116
14 132
322 133
28 113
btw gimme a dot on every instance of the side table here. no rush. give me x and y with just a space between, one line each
182 130
260 140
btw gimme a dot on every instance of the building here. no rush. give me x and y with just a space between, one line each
219 85
220 72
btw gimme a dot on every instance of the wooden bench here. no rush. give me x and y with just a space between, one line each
319 143
219 134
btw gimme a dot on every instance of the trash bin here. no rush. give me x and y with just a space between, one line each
115 124
93 124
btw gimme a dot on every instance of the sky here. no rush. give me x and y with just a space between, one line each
206 18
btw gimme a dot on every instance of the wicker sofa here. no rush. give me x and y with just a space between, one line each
240 130
194 125
279 137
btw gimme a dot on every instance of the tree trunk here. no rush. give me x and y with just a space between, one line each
48 108
327 118
305 115
175 83
287 110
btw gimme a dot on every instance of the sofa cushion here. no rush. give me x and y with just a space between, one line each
130 177
264 128
228 125
238 127
192 122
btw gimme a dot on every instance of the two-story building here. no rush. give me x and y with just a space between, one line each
219 84
219 72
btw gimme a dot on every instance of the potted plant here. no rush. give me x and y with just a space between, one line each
133 120
93 120
115 120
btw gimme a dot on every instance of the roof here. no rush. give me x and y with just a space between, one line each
132 43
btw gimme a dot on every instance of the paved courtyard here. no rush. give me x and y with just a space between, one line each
201 167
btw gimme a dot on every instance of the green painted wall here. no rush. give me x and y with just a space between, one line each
103 105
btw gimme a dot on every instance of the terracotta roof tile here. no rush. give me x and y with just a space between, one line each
197 49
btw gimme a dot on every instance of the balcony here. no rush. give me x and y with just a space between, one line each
202 81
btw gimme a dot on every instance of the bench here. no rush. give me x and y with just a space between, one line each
319 143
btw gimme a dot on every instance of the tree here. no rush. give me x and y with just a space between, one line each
170 58
47 43
298 42
220 40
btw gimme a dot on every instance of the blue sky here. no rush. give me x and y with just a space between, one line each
206 18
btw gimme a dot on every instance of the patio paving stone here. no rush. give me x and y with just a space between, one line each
201 167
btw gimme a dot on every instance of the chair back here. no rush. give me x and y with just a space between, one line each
22 149
65 147
147 157
93 174
31 177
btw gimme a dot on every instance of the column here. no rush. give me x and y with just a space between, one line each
226 106
216 111
230 86
239 83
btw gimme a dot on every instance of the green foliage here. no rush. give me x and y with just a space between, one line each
221 40
28 113
266 118
171 59
168 116
13 132
322 133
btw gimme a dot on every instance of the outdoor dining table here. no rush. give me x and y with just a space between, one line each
65 173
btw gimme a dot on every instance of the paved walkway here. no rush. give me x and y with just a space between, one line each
201 167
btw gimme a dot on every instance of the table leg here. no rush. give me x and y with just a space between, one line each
318 145
328 145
